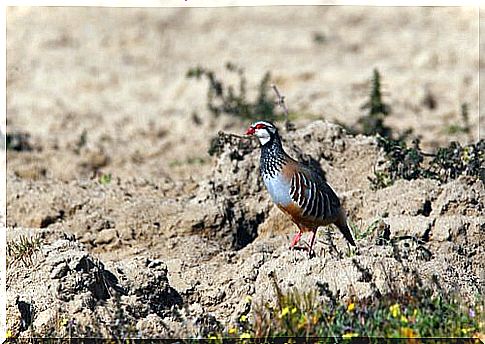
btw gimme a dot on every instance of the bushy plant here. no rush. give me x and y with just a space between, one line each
229 100
18 141
447 164
373 122
23 250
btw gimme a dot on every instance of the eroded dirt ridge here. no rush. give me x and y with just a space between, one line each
164 258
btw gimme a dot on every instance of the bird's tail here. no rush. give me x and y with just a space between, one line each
343 225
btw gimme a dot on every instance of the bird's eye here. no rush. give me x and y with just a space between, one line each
260 126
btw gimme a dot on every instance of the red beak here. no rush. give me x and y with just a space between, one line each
250 131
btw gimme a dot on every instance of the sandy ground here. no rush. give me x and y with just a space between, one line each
103 90
119 74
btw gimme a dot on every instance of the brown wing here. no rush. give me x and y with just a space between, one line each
313 195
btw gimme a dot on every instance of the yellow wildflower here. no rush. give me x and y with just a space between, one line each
350 335
294 310
232 330
395 310
302 323
248 299
243 318
415 312
63 322
351 307
407 332
404 319
467 330
9 334
285 311
245 335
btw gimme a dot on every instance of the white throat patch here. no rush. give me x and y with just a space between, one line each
263 136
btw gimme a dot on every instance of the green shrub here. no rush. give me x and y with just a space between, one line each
373 122
18 141
411 162
463 128
226 99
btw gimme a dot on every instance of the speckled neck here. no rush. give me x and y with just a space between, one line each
273 157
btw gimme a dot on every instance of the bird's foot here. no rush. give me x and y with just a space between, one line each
305 247
308 248
311 253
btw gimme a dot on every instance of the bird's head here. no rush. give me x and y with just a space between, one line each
263 130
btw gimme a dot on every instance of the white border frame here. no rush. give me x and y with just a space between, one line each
163 3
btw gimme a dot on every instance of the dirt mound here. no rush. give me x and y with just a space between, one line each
181 258
70 292
228 207
69 283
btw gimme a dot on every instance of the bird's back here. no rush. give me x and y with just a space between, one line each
318 202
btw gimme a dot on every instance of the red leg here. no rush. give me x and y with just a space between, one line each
296 238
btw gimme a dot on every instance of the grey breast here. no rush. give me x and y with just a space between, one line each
278 188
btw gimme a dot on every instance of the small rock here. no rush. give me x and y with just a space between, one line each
150 326
59 271
174 265
416 226
180 284
87 237
34 171
196 309
448 226
43 218
106 236
94 160
44 319
154 263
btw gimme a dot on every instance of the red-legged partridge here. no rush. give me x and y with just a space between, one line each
299 191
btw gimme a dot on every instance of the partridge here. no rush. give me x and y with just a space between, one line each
299 191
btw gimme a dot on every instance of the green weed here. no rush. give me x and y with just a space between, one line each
105 179
464 127
448 163
233 101
319 38
373 122
23 250
362 234
412 313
